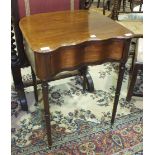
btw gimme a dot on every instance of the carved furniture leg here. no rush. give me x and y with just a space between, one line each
16 72
119 4
116 7
17 78
47 112
35 87
118 88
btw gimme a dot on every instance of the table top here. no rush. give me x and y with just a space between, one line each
50 31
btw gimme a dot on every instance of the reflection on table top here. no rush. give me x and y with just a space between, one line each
56 29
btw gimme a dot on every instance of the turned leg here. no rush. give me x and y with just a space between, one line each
17 78
118 88
47 112
35 87
119 4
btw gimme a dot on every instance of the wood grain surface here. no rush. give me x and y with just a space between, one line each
57 29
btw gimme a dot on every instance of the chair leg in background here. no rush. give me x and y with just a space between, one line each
118 89
83 74
132 83
109 4
35 87
131 5
104 7
98 4
124 5
19 86
84 82
119 4
87 79
47 112
90 83
132 63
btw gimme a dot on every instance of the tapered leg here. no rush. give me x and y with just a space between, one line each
47 112
35 87
132 83
118 88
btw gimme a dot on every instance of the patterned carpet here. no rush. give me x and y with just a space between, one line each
80 122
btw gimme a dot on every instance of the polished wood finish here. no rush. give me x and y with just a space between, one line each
18 11
72 57
54 30
81 39
57 35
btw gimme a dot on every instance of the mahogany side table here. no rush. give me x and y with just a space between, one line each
62 41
